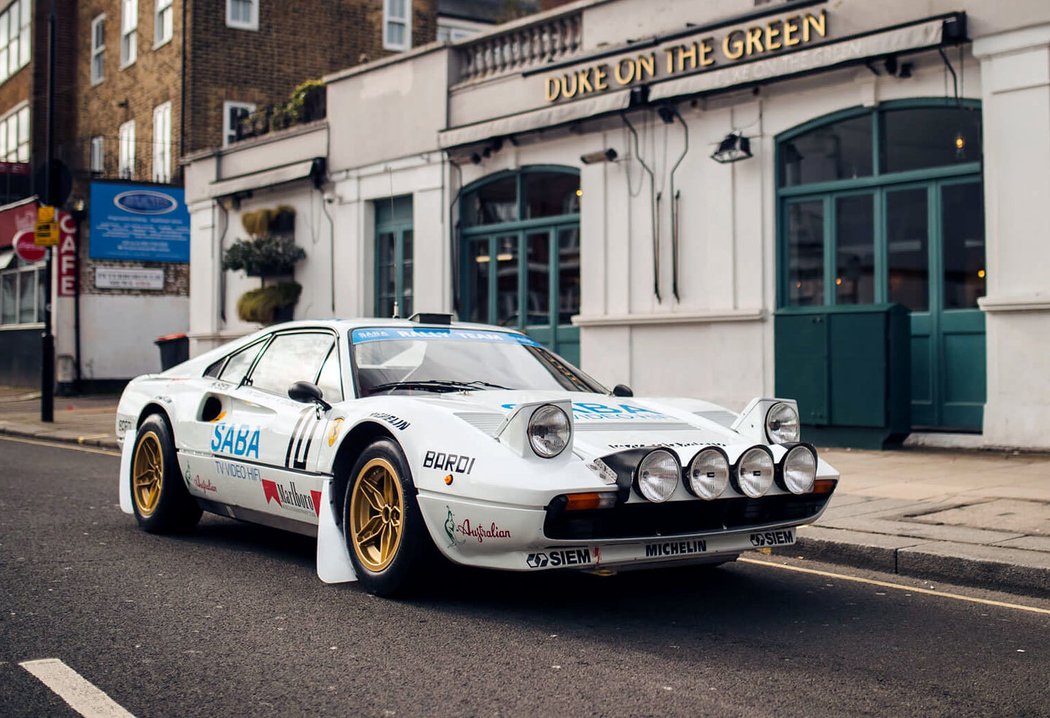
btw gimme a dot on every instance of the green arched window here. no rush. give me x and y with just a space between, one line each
520 254
886 204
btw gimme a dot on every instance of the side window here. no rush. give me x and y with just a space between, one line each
238 364
329 380
290 358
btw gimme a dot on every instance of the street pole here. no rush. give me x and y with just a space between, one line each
47 363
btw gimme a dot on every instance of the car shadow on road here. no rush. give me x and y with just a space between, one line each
731 591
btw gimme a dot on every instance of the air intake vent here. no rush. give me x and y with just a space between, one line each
485 422
725 418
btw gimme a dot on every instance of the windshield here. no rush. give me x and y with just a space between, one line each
408 359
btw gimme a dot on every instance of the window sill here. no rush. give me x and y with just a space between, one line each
162 43
20 327
126 65
243 26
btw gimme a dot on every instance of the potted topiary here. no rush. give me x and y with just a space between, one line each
271 253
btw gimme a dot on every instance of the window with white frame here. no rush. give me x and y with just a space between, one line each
452 29
232 114
98 157
242 14
14 136
126 158
163 22
98 49
129 31
397 24
162 143
21 292
14 38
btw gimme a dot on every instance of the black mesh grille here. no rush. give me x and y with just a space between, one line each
679 517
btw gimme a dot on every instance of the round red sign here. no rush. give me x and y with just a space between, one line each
26 249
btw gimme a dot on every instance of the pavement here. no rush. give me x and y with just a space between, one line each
976 518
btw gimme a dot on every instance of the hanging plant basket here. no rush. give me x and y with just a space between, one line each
267 305
266 256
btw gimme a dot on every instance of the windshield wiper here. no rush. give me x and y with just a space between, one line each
438 385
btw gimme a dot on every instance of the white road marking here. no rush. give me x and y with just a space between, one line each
74 689
897 586
61 445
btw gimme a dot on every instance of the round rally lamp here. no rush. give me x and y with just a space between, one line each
549 431
657 475
782 424
708 473
798 469
754 472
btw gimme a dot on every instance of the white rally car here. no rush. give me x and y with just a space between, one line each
397 442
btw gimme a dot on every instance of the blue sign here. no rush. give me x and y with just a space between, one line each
140 222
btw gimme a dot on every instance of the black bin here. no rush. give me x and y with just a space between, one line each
174 349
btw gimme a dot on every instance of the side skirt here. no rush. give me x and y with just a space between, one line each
258 517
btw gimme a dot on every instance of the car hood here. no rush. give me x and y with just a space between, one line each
605 424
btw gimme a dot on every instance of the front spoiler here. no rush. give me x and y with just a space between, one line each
512 539
709 549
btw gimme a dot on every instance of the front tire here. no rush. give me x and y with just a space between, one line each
158 496
383 527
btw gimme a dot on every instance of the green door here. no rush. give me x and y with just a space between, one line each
886 205
520 263
538 295
935 267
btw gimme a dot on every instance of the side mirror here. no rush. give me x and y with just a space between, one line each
622 390
307 392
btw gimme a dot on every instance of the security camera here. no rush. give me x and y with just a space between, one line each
328 196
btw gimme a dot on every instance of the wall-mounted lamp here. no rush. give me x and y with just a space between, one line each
960 145
591 158
733 148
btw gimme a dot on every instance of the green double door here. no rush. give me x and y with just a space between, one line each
936 267
919 244
527 278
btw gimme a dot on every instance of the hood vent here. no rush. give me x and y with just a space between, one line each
484 421
725 418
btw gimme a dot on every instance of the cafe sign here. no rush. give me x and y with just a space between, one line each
707 53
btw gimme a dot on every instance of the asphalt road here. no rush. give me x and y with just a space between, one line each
232 621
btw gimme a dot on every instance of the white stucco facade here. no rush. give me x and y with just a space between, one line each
429 123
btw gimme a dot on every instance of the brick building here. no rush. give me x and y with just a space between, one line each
140 84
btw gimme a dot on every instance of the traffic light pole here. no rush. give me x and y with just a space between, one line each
47 363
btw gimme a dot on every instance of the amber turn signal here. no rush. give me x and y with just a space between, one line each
824 486
590 501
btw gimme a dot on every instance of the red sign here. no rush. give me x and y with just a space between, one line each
26 248
67 255
15 220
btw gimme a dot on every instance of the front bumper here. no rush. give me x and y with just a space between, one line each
498 536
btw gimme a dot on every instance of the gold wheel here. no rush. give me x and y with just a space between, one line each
376 511
147 472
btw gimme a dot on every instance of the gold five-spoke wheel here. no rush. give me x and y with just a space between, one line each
147 473
376 510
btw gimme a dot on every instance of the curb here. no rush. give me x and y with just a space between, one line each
933 561
78 440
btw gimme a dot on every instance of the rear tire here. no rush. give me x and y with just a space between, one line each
385 535
161 502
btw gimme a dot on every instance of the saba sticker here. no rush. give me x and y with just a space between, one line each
235 439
